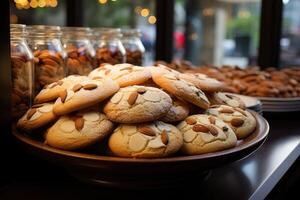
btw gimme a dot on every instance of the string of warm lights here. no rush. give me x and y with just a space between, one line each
26 4
144 12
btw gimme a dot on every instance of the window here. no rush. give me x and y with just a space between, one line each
217 31
46 12
290 38
125 14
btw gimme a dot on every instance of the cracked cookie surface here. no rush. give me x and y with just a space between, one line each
205 134
148 140
78 130
135 104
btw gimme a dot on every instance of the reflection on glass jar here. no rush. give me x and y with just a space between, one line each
135 50
108 46
49 55
80 51
22 71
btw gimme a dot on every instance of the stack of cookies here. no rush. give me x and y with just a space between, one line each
144 112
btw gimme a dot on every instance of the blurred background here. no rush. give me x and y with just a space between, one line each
213 32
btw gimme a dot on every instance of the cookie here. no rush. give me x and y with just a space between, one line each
135 104
241 121
124 74
180 88
150 140
203 82
205 134
51 92
218 98
178 111
37 116
76 131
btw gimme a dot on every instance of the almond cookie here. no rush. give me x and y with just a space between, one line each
150 140
78 130
204 83
37 116
218 98
51 92
180 88
85 94
124 74
135 104
178 111
241 121
205 134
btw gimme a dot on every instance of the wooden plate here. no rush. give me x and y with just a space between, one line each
144 173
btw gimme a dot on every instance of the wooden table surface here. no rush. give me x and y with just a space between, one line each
250 178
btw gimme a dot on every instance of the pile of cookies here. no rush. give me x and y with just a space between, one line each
143 112
250 81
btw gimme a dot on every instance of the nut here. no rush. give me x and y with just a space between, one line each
79 123
63 95
200 128
141 90
236 122
226 110
132 98
164 137
212 120
77 87
213 130
90 86
190 120
146 130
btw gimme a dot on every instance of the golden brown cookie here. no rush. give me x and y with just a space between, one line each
150 140
135 104
241 121
180 88
203 82
205 134
218 98
124 74
85 94
37 116
51 92
78 130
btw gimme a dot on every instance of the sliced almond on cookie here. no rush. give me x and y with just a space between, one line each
76 87
200 128
79 123
236 122
90 86
226 110
141 90
190 120
164 137
213 130
63 96
132 98
146 130
212 120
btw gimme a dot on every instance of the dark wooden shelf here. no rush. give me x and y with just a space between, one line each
250 178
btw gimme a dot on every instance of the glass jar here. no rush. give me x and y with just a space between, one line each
80 51
22 71
134 47
49 54
108 46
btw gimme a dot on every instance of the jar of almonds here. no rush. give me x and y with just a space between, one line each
134 47
108 46
79 48
22 71
49 54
